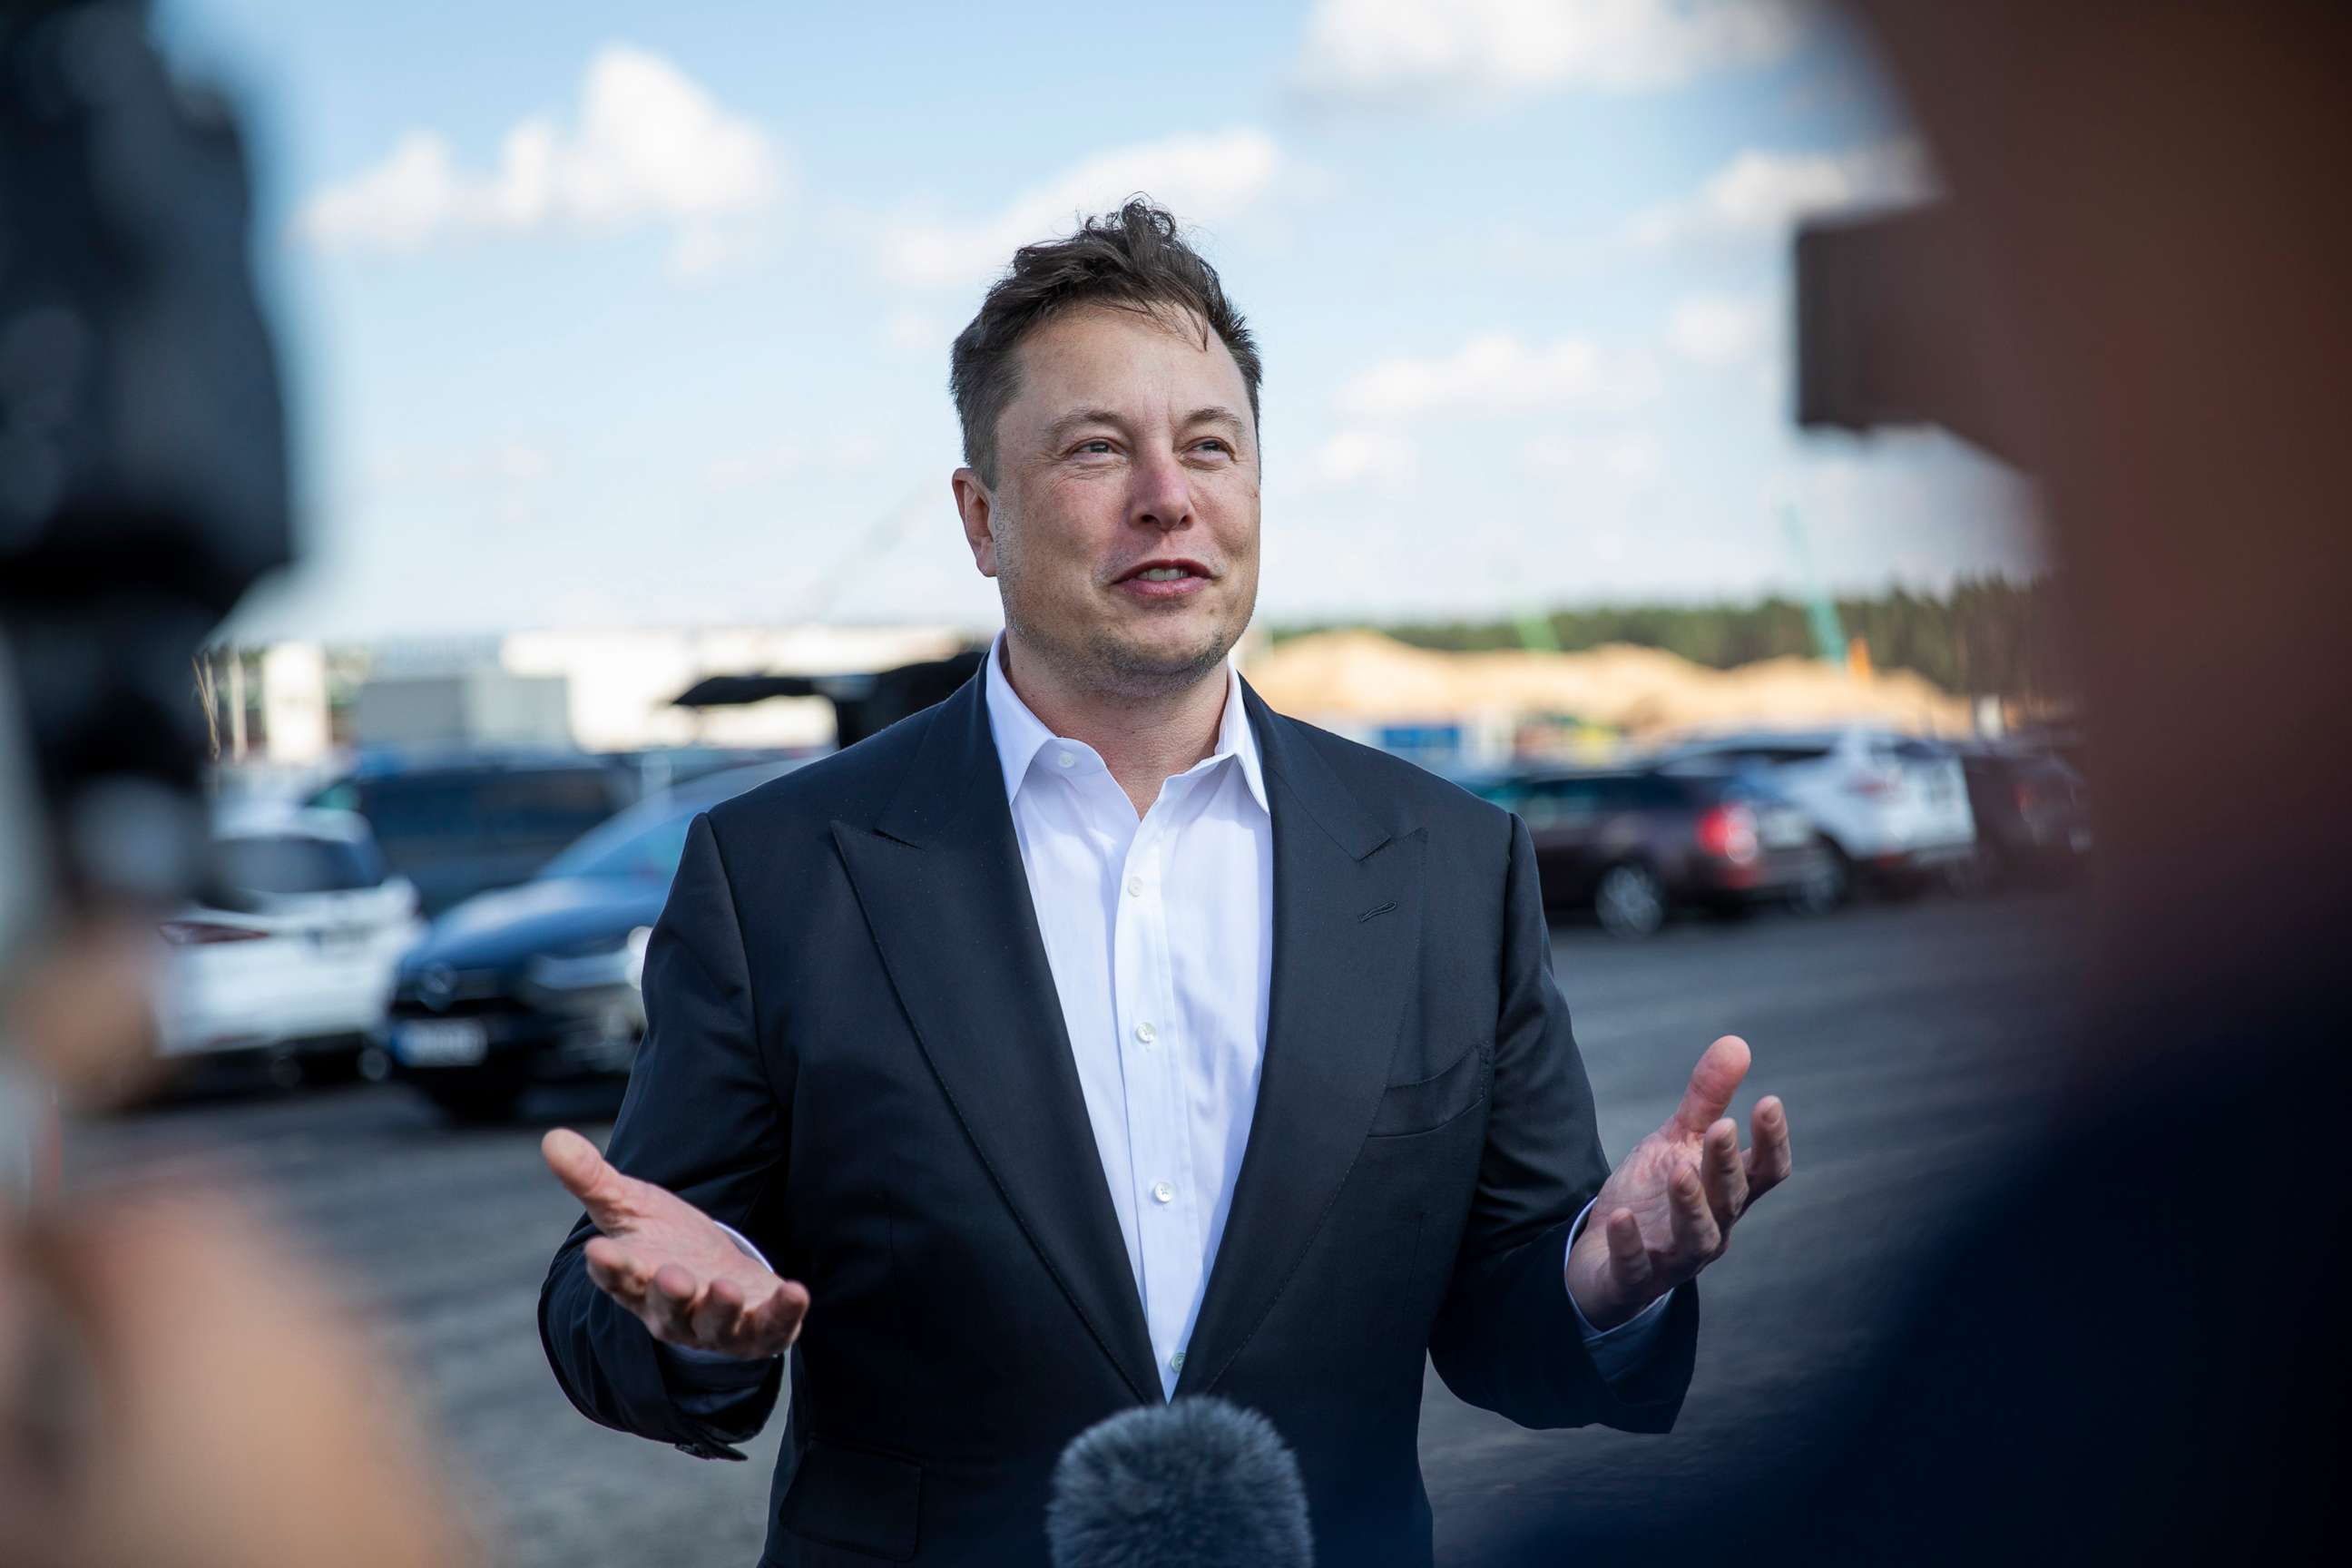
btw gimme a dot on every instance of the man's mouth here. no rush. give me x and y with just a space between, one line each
1163 572
1163 581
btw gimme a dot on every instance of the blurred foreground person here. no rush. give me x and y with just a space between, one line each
176 1391
1099 1037
2136 1351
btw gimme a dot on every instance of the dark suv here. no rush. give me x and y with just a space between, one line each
1633 844
462 823
2033 822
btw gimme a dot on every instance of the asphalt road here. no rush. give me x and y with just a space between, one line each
1912 1043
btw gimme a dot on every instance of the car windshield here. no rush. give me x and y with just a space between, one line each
649 838
277 864
631 846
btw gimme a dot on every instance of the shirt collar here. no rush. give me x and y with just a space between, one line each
1020 734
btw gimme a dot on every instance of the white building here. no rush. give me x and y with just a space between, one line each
600 690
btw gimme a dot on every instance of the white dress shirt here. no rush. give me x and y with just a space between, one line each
1159 935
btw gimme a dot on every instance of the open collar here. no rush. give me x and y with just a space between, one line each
1020 734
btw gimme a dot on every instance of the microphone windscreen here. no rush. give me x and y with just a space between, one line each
1197 1483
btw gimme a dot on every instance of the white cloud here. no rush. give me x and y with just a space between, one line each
1761 193
1202 178
1633 458
649 145
1720 329
1499 372
1358 456
1469 52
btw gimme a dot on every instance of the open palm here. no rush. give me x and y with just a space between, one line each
672 1265
1666 1212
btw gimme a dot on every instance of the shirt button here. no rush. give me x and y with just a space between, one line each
1135 887
1145 1034
1067 760
1176 1362
1162 1193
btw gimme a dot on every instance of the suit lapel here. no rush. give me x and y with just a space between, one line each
1347 929
940 881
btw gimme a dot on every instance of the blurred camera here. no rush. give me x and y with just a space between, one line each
142 489
142 466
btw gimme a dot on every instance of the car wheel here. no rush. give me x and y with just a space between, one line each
1829 886
1630 902
475 1101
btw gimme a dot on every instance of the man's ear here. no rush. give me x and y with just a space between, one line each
977 506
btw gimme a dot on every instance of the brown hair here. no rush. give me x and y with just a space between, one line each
1133 259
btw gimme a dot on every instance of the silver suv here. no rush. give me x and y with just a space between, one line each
1889 804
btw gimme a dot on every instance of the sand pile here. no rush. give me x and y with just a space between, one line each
1365 678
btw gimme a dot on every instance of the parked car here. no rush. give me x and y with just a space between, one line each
2033 821
539 983
460 823
1633 844
286 966
1889 805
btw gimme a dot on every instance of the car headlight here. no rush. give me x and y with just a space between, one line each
619 964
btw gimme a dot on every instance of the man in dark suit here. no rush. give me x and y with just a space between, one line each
1100 1037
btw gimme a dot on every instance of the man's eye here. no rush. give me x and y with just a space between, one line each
1095 447
1217 444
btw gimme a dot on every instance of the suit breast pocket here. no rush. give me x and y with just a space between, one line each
1423 1107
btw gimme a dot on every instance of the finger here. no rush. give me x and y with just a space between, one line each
1697 1237
1769 1157
714 1317
617 1271
1713 1082
669 1302
771 1326
1720 1170
586 1174
1629 1255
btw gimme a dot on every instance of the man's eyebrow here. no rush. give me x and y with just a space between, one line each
1216 414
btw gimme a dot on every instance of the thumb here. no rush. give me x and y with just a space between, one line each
1713 1082
585 1173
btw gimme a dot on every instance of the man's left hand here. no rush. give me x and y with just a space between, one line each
1667 1210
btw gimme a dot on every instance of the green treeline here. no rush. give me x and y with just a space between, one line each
1987 636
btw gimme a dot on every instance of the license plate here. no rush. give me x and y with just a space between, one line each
1786 829
441 1042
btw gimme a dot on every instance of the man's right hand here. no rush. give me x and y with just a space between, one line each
671 1264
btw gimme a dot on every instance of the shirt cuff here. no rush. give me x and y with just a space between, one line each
1616 1351
685 1359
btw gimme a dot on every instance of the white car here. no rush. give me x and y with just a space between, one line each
291 959
1889 804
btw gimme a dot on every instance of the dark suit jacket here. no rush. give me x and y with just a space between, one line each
856 1056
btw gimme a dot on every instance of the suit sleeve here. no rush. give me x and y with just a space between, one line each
705 1117
1507 1337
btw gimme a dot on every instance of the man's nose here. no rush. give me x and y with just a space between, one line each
1162 496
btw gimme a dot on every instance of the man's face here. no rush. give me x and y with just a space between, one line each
1123 527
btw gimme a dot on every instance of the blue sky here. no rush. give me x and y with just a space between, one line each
599 315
